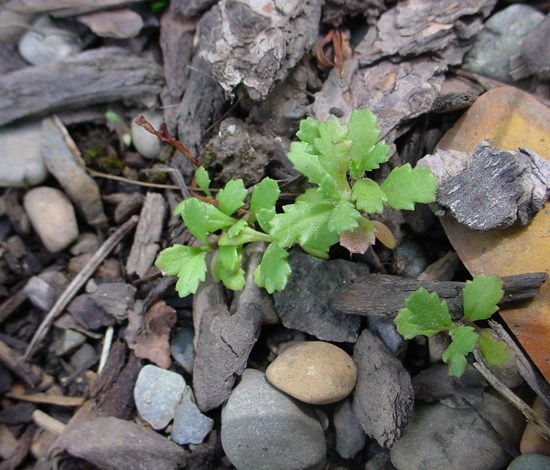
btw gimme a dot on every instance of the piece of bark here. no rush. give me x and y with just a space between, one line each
497 189
114 444
222 350
383 397
95 76
17 364
145 247
255 46
384 295
66 7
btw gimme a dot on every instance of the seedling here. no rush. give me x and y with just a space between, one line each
425 314
334 156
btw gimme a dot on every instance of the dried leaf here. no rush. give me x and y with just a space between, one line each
384 235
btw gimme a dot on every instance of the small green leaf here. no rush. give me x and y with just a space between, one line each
309 130
365 153
495 352
202 218
264 196
368 196
304 223
273 271
305 162
344 217
237 228
463 342
405 186
111 116
424 314
481 297
186 262
226 267
334 151
232 196
203 180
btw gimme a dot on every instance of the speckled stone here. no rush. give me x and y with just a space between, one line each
314 372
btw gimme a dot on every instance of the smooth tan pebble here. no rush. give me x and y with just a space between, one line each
314 372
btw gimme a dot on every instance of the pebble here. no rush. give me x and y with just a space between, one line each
122 23
304 304
190 425
83 357
350 437
263 428
182 348
443 437
410 258
500 40
52 216
86 243
46 42
68 341
148 145
40 293
314 372
535 52
21 162
530 462
157 394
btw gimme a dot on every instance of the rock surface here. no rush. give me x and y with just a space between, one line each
190 425
530 462
182 348
305 303
314 372
263 428
443 437
52 216
21 162
535 52
350 437
157 394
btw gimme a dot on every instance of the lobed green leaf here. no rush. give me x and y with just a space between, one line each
226 267
404 187
263 199
334 151
424 314
203 180
368 196
481 297
202 218
344 217
305 162
232 196
273 271
495 352
186 262
309 130
463 342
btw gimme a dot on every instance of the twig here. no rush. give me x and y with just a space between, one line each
18 393
99 174
48 423
107 342
79 281
542 427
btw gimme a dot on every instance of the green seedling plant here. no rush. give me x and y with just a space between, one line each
426 314
334 156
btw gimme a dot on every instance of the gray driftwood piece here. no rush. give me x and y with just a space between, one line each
383 397
497 189
91 77
383 295
222 350
148 231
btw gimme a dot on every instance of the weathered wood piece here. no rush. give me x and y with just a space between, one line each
384 295
383 397
96 76
146 241
65 7
497 189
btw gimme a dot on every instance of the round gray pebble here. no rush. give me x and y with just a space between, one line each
147 144
190 425
157 394
265 429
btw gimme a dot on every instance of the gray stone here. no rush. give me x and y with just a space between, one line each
383 397
52 216
221 354
350 437
380 461
21 162
83 357
263 428
530 462
535 51
40 293
46 42
443 437
182 348
147 144
304 304
157 394
122 23
410 259
63 160
385 328
86 243
116 298
501 39
68 341
190 425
